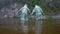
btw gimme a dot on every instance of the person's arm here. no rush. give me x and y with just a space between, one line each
20 9
33 12
29 10
42 12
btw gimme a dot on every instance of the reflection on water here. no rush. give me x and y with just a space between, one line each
38 27
24 25
14 26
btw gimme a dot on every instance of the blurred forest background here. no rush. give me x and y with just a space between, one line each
49 6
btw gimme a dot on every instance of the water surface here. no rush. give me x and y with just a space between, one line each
13 26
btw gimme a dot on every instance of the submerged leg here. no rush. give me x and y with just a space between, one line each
38 27
38 24
24 24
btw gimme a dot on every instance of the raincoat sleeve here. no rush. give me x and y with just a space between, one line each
21 9
29 10
41 11
33 11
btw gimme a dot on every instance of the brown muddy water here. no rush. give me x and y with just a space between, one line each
13 26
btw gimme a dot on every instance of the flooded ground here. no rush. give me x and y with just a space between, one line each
13 26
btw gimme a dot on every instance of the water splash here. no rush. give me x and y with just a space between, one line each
24 17
38 12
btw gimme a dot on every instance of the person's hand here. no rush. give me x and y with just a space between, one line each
43 14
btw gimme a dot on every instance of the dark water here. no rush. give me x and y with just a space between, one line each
14 26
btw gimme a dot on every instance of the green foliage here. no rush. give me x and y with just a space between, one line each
31 4
16 17
50 9
1 5
49 20
48 17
